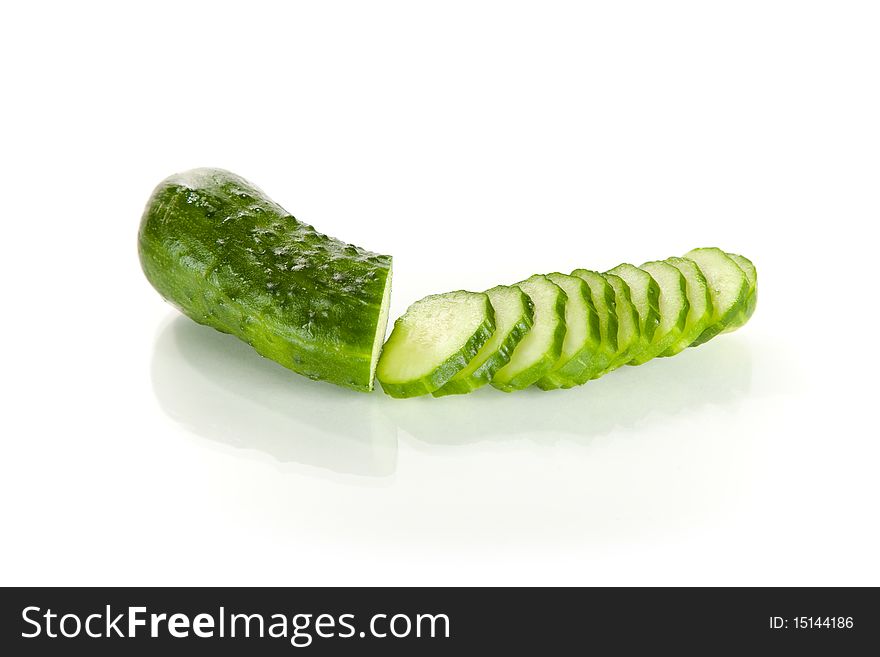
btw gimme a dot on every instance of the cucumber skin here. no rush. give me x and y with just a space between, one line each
206 240
484 373
440 375
529 376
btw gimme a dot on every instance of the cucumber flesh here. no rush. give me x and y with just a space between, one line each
628 331
435 339
700 312
645 295
602 294
728 287
514 313
540 349
751 273
673 305
577 363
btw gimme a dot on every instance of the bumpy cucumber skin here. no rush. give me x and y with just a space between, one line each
448 368
751 273
649 320
229 257
730 316
623 304
691 333
661 343
531 374
582 366
484 373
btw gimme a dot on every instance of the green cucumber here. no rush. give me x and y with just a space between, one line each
728 287
628 331
514 313
751 273
229 257
539 351
433 340
577 362
673 305
645 295
602 294
700 312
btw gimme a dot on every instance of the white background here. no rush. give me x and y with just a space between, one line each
478 143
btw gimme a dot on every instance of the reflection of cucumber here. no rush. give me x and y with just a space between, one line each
514 313
728 288
673 307
752 296
538 352
577 363
602 295
229 257
645 295
628 332
435 339
700 312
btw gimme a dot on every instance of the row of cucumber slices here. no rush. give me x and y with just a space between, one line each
562 330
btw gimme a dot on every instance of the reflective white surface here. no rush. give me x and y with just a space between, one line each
140 448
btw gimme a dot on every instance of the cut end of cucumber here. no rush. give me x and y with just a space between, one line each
728 287
381 328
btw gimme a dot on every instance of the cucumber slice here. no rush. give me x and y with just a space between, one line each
673 306
602 294
728 287
752 298
514 313
645 295
700 301
435 339
577 363
628 332
538 352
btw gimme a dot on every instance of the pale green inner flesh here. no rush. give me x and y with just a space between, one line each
381 327
432 330
748 268
672 296
599 291
725 280
696 293
638 282
576 313
509 308
537 342
627 329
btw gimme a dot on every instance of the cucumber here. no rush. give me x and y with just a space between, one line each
728 287
628 332
227 256
700 301
751 273
577 362
514 313
433 340
645 295
602 294
539 350
673 307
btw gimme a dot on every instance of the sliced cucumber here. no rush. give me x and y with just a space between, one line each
435 339
628 331
673 306
603 295
728 287
514 313
700 301
645 295
752 298
538 352
577 363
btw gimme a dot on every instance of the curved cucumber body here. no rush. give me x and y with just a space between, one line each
227 256
435 339
577 362
602 294
628 331
514 313
751 273
728 288
700 312
540 349
645 296
673 306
